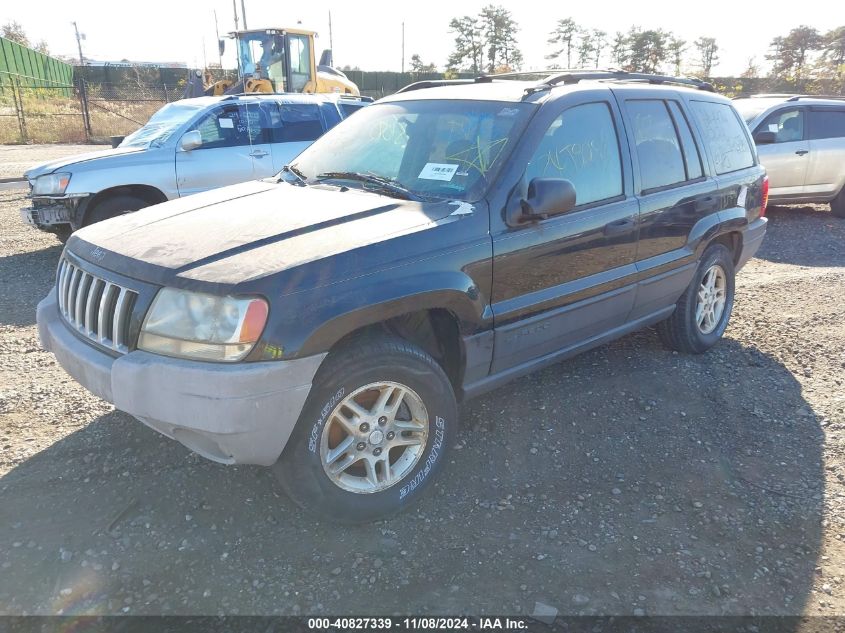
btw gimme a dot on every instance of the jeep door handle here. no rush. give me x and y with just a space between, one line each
258 153
801 152
619 226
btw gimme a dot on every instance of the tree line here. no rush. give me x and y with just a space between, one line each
803 60
14 32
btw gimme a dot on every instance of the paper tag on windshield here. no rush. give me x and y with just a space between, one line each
438 171
226 123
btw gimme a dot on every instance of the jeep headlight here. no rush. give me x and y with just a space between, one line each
50 184
201 326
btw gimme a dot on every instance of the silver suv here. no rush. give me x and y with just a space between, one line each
186 147
801 142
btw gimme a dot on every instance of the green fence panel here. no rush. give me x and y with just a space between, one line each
33 69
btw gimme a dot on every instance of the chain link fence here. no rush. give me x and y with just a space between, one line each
77 113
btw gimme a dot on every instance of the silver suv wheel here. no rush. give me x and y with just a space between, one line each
374 437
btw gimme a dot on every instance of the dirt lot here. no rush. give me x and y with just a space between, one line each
629 480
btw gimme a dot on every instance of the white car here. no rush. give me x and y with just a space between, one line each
186 147
801 143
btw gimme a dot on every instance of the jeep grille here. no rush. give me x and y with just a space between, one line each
96 308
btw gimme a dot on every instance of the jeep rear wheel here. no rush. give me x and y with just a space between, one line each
701 314
373 434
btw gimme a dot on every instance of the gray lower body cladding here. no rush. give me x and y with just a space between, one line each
231 413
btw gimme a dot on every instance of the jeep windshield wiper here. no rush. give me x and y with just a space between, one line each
300 177
384 185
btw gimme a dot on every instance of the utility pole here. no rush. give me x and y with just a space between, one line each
235 10
331 42
243 14
403 47
217 34
79 38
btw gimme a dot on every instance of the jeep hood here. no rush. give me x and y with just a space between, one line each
67 161
252 230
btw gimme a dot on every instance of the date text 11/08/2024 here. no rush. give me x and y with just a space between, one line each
420 623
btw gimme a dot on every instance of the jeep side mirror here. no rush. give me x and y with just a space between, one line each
765 137
190 140
221 46
548 197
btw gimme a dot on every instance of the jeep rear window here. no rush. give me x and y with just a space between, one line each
724 134
434 149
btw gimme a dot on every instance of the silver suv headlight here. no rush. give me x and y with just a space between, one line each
201 326
51 184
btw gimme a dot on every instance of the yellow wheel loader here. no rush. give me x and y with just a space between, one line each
280 60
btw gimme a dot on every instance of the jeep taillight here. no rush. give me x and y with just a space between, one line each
765 200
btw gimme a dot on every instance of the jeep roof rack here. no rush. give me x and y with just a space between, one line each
435 83
550 78
612 74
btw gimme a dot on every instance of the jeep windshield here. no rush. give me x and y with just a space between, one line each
162 125
426 149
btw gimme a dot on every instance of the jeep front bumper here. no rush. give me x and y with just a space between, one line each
230 413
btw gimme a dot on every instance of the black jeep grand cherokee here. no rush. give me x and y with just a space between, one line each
433 246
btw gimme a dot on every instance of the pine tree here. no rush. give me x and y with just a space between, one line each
563 38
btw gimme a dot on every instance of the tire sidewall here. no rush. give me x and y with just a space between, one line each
300 469
716 254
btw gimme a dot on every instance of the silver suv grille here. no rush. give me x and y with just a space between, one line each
94 307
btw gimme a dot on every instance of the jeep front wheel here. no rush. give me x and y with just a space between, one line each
373 434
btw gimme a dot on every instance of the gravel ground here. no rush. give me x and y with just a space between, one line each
629 480
16 159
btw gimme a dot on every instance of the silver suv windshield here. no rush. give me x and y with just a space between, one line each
162 125
426 149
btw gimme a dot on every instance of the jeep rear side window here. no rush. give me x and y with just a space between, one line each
724 135
692 158
827 124
581 146
658 148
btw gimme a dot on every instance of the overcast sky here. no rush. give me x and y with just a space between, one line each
369 35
